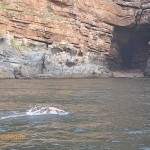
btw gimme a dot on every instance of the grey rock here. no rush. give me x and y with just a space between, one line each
33 62
6 71
8 38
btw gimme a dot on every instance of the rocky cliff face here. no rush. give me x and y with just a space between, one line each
73 38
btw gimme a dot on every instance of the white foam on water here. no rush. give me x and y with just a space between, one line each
37 110
12 114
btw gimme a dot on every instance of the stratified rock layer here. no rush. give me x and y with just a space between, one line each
66 38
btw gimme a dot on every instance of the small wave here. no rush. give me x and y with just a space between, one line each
33 111
135 132
145 148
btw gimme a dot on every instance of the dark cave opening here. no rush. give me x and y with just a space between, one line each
130 49
127 52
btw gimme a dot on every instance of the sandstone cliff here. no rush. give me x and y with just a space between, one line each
73 38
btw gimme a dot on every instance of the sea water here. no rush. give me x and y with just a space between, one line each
99 114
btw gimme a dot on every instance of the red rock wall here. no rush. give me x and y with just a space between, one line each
88 25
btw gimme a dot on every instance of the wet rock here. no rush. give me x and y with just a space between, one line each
132 73
21 72
6 71
147 70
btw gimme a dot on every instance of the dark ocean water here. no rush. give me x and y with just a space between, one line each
104 114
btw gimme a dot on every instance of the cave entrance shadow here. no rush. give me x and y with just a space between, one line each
130 49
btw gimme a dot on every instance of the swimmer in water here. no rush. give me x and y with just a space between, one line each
53 110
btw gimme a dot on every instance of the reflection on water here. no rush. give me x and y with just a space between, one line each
104 114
